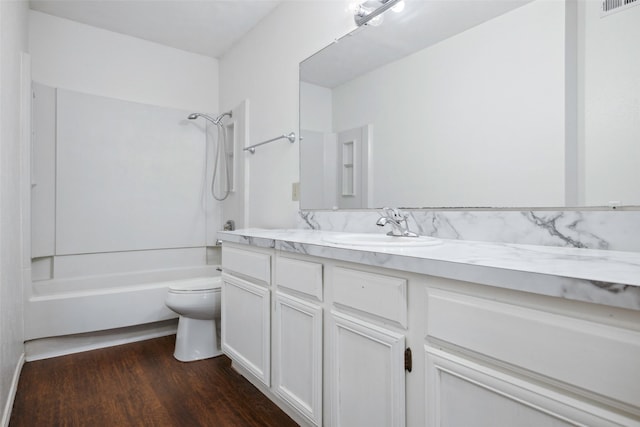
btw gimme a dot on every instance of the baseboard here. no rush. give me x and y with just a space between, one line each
6 415
45 348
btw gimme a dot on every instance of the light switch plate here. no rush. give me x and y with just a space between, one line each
295 192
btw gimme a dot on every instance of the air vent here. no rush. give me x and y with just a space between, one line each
613 6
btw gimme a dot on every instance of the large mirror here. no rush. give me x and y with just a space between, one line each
475 104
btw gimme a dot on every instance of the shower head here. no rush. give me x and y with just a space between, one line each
194 116
215 121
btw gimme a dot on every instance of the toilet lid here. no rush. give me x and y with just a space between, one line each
195 285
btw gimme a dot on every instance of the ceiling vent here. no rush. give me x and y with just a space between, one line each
613 6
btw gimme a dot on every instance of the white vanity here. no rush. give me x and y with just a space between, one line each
499 335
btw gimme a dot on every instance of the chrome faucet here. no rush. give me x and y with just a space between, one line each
398 222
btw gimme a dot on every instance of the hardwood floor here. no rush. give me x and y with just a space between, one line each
139 384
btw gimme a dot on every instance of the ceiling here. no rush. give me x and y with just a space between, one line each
206 27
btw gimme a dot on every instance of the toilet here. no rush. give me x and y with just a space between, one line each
197 301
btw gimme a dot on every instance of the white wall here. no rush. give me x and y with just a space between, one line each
612 106
317 100
13 41
317 148
475 120
86 59
263 67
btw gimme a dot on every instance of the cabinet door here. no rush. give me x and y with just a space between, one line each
245 325
298 355
460 392
367 374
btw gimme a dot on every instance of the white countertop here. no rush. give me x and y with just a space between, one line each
598 276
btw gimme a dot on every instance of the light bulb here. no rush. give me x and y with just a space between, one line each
398 7
353 7
374 22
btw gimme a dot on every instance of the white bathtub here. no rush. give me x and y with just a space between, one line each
98 303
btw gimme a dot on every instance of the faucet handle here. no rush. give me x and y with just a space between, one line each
398 221
392 213
400 215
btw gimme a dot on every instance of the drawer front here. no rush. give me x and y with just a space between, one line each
300 276
377 294
251 264
592 356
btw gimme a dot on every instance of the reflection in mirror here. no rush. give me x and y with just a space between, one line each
475 104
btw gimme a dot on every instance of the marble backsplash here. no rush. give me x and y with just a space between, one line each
611 230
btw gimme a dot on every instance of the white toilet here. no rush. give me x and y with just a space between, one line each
197 301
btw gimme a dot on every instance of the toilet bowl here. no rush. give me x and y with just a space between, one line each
197 301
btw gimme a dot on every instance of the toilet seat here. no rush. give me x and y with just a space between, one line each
194 286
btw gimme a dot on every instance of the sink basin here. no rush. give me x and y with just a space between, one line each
381 240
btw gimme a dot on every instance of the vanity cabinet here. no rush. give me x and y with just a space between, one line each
327 340
246 310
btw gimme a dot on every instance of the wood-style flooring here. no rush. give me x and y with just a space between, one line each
139 384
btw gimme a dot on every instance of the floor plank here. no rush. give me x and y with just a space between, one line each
139 384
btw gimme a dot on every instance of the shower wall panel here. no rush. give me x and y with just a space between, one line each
43 171
129 176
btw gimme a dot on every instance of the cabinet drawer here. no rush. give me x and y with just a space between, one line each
592 356
255 265
377 294
301 276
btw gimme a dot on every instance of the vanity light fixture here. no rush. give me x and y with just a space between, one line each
370 11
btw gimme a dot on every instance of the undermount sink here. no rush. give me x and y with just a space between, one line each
382 240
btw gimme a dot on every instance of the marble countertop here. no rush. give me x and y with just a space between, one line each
597 276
